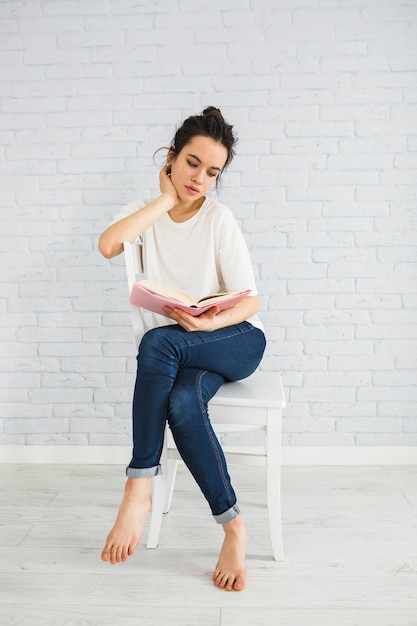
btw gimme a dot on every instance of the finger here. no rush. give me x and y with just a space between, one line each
212 312
180 317
178 314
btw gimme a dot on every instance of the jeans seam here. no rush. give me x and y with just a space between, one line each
204 413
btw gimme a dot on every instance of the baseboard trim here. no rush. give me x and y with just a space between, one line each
120 455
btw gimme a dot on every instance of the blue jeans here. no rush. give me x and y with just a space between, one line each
178 372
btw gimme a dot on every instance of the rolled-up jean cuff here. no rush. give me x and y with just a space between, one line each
228 515
145 472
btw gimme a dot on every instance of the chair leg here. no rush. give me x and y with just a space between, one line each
158 499
171 475
162 490
274 520
273 480
159 488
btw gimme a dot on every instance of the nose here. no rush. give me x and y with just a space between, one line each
198 176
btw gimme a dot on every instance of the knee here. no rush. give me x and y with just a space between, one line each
187 404
155 350
180 407
151 340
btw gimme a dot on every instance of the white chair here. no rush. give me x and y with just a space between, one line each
251 405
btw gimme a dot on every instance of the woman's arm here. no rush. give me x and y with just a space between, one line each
213 319
128 229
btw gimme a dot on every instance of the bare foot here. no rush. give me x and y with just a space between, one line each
126 533
230 572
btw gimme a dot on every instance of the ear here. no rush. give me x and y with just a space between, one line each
171 154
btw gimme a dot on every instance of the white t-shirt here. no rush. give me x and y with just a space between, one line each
204 255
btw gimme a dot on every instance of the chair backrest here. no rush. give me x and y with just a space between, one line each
134 271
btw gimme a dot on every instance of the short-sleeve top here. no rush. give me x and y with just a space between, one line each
204 255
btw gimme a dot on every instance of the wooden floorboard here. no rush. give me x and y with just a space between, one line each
349 538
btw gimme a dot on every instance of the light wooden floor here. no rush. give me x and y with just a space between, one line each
350 536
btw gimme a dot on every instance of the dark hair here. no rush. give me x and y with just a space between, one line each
210 123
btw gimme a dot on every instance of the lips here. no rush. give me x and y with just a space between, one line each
192 190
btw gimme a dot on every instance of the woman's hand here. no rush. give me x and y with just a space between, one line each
204 322
213 319
165 183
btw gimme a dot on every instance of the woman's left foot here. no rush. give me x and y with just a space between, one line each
125 535
230 572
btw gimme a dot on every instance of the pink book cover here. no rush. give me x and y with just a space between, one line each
147 294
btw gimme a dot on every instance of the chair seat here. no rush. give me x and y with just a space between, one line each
261 389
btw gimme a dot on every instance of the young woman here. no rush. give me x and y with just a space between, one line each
191 242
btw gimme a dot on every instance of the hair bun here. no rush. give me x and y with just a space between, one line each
213 112
210 123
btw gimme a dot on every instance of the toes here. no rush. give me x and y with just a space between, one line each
229 582
112 556
105 555
112 553
239 584
125 553
117 554
224 581
120 554
219 580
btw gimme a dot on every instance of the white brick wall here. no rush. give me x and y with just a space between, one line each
323 94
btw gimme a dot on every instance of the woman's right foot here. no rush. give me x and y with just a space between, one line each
126 533
230 572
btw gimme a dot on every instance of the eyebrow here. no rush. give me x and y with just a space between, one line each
212 167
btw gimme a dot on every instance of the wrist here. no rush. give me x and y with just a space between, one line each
169 199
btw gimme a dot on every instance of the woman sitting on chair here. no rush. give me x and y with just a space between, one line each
191 242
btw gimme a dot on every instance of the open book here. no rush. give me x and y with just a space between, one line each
153 297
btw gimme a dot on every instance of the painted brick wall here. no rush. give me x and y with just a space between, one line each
323 94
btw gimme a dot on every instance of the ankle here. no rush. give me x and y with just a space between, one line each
138 488
236 526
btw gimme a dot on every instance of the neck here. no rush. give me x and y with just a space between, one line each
183 211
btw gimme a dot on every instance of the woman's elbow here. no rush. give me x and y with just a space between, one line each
106 248
253 302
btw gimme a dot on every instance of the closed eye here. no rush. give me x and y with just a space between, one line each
211 174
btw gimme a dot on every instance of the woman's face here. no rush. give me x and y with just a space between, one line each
196 167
